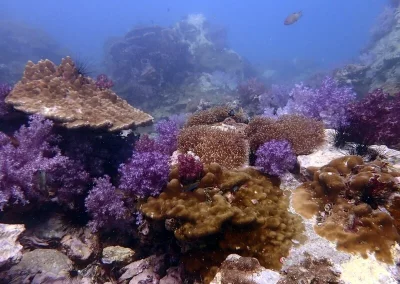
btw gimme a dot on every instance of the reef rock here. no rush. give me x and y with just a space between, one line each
146 270
237 269
38 265
10 252
80 246
117 255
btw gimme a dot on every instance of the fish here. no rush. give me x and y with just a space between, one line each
293 18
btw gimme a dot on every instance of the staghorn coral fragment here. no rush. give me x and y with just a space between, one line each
352 200
61 94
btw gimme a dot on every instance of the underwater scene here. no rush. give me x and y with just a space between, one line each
188 142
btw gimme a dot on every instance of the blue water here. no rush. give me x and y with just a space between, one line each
330 32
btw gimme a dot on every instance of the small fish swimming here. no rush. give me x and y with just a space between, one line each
293 18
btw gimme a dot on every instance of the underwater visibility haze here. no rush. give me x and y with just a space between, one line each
179 142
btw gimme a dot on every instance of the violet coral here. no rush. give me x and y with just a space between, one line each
145 174
30 166
275 157
106 206
328 102
375 119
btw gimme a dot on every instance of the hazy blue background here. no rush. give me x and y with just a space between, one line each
330 32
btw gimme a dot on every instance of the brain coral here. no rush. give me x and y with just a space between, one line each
62 94
243 211
347 195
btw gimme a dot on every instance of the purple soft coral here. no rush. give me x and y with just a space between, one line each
375 119
25 166
146 174
106 206
166 140
275 157
327 103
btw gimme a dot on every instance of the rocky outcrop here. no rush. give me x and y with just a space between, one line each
10 249
379 64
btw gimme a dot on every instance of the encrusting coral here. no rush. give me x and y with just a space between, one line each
303 133
244 211
345 194
62 94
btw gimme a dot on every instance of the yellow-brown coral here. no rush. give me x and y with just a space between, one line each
345 192
303 133
214 145
62 94
244 211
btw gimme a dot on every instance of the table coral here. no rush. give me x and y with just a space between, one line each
244 211
62 94
345 195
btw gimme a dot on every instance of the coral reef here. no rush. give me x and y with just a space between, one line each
303 133
275 157
225 147
103 82
244 211
60 93
189 167
346 193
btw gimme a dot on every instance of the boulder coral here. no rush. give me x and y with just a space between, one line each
240 211
345 194
62 94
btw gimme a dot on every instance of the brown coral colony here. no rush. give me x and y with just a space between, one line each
62 94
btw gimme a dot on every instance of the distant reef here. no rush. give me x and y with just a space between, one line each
21 43
379 63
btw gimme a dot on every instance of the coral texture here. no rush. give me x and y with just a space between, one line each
345 194
106 206
303 133
215 115
275 157
211 144
62 94
145 174
103 82
243 210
